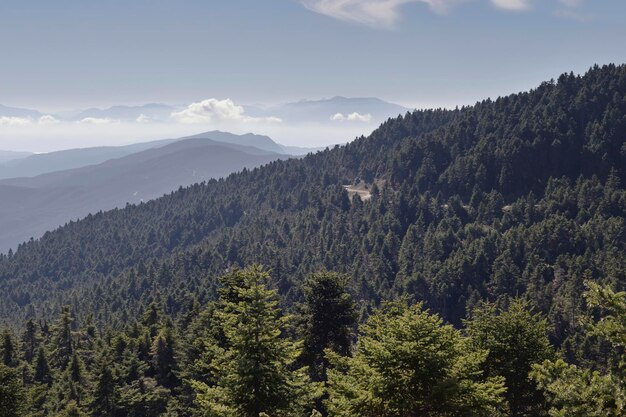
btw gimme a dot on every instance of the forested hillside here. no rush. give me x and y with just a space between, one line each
519 195
491 224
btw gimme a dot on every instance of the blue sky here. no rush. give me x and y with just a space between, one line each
65 54
212 58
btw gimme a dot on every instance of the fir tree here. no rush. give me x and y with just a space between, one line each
516 339
42 367
255 374
407 363
329 318
30 341
12 394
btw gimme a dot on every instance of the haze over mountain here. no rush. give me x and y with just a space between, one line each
29 206
23 164
302 124
6 156
37 164
363 109
459 199
6 111
142 114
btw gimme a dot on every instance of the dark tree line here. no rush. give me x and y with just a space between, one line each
241 356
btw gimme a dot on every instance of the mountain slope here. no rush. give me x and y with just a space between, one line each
248 139
6 111
6 156
38 164
30 206
519 195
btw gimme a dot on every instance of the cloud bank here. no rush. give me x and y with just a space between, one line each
98 121
352 117
27 121
48 120
15 121
386 13
216 111
512 5
142 118
374 13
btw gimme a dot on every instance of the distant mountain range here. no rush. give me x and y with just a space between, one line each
303 111
322 111
18 112
144 113
6 156
130 174
36 164
25 164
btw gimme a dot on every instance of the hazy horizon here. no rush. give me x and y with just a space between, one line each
215 62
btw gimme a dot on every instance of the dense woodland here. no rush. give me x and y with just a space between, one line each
240 356
466 285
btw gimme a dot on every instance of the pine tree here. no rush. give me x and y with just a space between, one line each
104 402
164 361
329 317
407 363
30 341
9 351
62 345
515 339
12 394
42 368
577 392
255 373
72 410
75 380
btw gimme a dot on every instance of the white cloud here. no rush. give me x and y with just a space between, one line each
512 5
375 13
215 111
385 13
15 121
48 120
143 119
97 121
352 117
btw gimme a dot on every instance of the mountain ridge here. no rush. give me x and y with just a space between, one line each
468 210
31 205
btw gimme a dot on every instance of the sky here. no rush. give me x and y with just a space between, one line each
65 55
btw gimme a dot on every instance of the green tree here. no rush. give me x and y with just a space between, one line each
9 351
576 392
515 339
104 402
255 374
12 393
329 318
407 363
163 358
144 397
72 410
30 341
42 367
62 346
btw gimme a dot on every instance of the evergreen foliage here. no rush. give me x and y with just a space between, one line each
408 363
488 222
